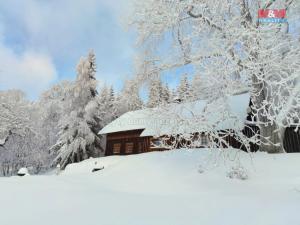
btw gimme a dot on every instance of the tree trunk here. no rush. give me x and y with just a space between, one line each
270 135
270 139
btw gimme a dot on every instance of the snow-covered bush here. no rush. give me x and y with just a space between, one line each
23 172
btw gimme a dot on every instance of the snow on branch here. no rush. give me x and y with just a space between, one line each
225 40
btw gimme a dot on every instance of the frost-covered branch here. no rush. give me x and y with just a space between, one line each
226 40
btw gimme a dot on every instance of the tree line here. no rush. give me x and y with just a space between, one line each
61 126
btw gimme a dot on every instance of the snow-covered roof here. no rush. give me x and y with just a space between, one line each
225 113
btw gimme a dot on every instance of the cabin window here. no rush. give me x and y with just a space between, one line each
156 143
129 148
204 140
117 148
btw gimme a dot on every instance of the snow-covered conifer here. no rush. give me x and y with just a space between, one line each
166 95
78 138
201 87
129 98
155 92
107 105
183 90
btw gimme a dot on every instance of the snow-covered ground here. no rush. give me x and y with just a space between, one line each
159 188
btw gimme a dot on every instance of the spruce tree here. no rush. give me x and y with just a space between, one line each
156 92
111 102
200 88
183 91
165 94
129 98
106 102
78 138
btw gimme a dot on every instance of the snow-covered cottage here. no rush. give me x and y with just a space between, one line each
142 130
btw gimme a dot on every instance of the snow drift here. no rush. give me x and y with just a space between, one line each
174 187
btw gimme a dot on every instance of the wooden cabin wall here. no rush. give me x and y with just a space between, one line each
130 142
126 143
291 141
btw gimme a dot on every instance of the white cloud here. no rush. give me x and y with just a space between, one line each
57 27
31 72
39 33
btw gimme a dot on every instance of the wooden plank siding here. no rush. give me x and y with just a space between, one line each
291 141
143 144
130 142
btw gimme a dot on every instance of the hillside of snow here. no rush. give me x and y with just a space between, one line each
178 187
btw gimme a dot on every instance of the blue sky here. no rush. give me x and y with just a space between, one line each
41 41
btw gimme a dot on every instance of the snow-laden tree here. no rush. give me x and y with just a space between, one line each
184 89
129 98
107 105
78 138
166 95
197 87
14 114
225 41
52 104
21 138
23 151
200 87
159 94
154 93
